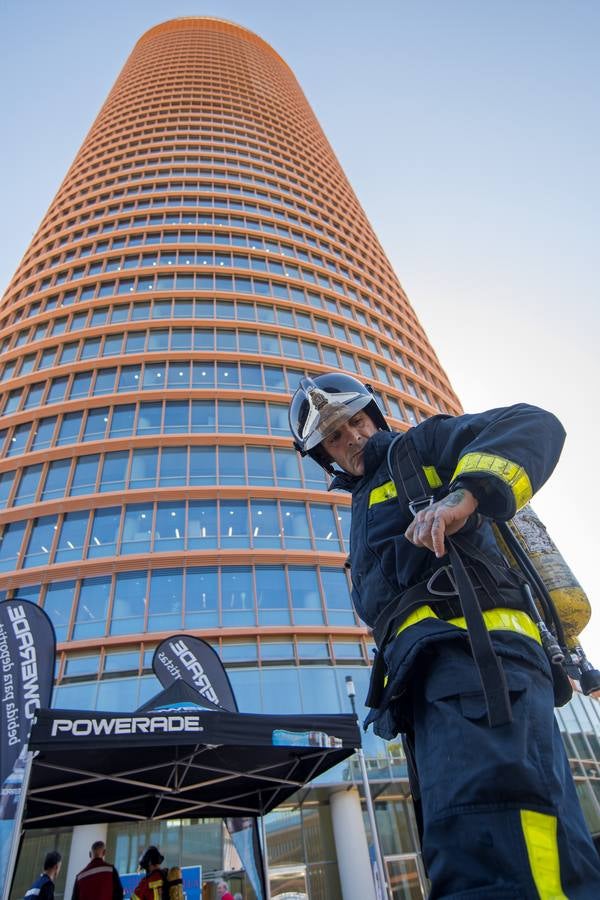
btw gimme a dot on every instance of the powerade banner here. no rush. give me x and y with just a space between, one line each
244 834
27 649
199 666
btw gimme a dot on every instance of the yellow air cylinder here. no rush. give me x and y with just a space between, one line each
569 598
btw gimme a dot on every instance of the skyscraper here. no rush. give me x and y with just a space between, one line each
204 251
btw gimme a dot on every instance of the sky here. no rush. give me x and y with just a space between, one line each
470 133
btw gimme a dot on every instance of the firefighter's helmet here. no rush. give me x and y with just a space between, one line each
322 404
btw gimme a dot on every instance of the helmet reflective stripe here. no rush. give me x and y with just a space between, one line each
327 412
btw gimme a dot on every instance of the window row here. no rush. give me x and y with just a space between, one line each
195 598
203 340
145 468
284 690
160 417
168 527
175 375
263 650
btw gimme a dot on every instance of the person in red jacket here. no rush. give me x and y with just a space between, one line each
150 887
99 880
223 892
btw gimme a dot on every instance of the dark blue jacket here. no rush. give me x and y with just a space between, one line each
504 454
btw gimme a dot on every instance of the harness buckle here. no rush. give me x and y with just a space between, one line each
447 571
416 506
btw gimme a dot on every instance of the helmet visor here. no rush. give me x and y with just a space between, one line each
327 412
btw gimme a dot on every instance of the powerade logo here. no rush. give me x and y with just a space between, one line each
189 661
126 725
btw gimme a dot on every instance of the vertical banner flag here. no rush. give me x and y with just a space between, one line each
192 659
27 650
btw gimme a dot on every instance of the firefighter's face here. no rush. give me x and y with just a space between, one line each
346 444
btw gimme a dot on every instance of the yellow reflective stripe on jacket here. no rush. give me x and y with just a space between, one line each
500 619
512 474
539 830
433 479
383 492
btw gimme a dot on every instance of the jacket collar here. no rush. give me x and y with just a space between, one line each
375 451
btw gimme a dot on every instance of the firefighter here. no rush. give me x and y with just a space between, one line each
460 670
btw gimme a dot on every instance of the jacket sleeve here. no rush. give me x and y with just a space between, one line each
504 455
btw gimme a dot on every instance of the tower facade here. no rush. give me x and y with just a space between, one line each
204 252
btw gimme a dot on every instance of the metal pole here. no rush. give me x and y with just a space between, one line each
18 824
265 857
351 691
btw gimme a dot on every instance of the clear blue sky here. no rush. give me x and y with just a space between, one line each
470 133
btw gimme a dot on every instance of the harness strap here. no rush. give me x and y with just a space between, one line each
491 673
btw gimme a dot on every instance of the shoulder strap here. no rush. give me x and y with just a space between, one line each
406 469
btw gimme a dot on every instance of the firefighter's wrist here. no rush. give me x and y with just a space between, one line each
469 488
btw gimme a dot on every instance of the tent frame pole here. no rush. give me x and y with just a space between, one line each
17 829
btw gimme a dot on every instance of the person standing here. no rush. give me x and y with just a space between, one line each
460 670
100 879
43 888
223 892
150 887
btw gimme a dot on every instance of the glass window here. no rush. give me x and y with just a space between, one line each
56 479
306 600
169 531
105 382
154 376
275 649
281 691
69 428
137 528
10 545
6 481
28 485
286 468
337 597
178 375
238 652
121 424
295 526
324 527
237 596
201 596
251 376
149 419
176 417
143 468
234 524
84 478
122 661
95 426
272 596
72 536
344 516
202 525
58 605
158 340
203 465
203 375
90 619
114 471
43 432
203 416
312 649
314 475
319 690
181 338
173 466
260 465
255 417
228 376
129 378
231 465
166 591
81 385
17 443
40 542
278 419
230 416
105 528
129 605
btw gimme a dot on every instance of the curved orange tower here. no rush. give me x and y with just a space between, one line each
204 251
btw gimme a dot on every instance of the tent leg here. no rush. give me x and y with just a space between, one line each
265 857
17 829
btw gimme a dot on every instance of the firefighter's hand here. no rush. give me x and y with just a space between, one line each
430 526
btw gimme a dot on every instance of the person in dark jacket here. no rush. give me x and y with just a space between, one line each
43 888
99 880
466 679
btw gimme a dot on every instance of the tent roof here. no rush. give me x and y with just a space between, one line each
173 758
